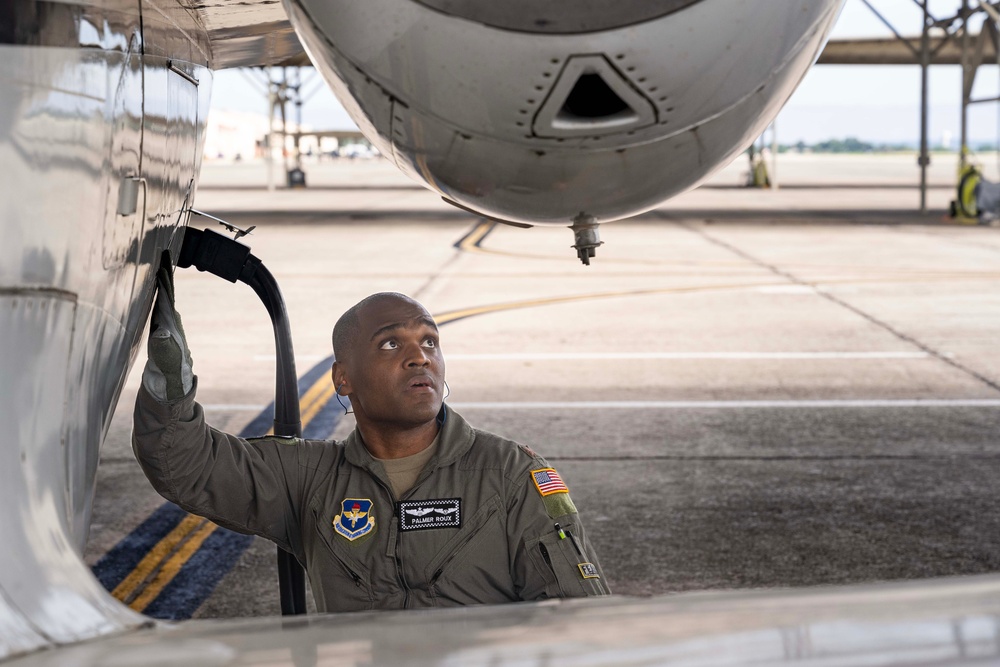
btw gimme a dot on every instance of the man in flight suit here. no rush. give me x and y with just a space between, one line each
414 509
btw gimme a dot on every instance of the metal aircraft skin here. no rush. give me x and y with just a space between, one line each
102 115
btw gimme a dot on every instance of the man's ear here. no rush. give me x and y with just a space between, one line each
340 382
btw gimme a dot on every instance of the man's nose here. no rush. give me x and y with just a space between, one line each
417 356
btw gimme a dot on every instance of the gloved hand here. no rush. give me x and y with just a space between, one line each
168 375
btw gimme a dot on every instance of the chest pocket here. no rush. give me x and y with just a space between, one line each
474 566
345 584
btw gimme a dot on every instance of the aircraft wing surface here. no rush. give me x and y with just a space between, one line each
943 622
250 33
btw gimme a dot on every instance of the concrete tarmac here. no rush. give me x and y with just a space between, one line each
745 389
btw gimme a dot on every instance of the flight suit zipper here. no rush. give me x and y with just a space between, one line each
399 559
354 575
399 533
400 577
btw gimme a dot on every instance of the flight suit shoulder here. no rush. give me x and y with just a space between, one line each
544 481
493 451
528 474
313 454
275 439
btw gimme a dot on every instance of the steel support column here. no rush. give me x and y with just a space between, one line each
925 59
966 89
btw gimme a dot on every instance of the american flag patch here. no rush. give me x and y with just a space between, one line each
548 481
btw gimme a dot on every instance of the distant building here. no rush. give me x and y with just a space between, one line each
242 135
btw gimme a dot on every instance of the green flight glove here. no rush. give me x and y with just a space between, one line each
168 375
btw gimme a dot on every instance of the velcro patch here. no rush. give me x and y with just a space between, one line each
548 482
588 570
428 514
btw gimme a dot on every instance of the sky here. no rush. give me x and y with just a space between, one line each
879 104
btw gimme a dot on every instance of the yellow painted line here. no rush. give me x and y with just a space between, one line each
126 589
170 569
453 315
314 393
319 403
468 244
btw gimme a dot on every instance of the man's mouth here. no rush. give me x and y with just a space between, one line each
422 382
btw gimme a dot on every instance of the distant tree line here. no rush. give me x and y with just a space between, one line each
854 145
848 145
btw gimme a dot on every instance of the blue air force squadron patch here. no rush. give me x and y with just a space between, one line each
356 518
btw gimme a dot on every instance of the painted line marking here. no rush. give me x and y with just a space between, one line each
126 590
687 405
475 236
597 356
173 565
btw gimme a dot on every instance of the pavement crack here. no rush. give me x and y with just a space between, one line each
419 292
992 384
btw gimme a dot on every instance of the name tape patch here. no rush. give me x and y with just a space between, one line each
588 570
428 514
548 481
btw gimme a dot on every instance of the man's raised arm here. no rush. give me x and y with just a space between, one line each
246 486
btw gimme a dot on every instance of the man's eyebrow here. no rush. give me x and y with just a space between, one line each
399 325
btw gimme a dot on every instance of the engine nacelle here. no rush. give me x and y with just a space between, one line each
550 111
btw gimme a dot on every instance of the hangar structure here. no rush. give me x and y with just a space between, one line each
945 39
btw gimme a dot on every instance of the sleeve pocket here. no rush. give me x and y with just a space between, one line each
567 573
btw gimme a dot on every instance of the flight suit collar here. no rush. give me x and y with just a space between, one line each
454 440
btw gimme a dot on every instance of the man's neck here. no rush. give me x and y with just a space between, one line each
392 442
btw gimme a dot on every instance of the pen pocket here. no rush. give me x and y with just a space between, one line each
573 574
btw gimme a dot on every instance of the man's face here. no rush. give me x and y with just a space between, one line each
395 368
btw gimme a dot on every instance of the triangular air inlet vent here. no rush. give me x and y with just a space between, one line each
592 98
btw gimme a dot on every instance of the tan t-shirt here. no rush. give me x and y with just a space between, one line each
403 472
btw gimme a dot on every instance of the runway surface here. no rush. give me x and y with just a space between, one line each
745 389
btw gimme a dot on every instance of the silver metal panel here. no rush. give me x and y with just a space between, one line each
18 635
41 574
946 622
82 112
700 61
558 16
465 96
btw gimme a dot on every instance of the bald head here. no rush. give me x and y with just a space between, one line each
348 328
389 363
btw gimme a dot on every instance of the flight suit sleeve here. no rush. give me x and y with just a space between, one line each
247 486
551 554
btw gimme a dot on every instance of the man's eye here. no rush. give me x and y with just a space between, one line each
388 345
430 342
